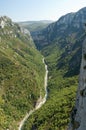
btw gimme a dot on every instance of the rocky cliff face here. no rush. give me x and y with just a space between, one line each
78 115
5 21
69 25
7 27
74 18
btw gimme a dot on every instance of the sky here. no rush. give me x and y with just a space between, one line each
33 10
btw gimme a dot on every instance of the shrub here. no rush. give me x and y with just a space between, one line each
85 56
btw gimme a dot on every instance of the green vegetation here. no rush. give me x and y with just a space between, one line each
21 76
35 25
85 56
61 44
55 113
84 67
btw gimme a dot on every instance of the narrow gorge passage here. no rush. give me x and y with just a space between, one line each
38 105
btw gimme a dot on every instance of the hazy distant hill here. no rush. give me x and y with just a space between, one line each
35 25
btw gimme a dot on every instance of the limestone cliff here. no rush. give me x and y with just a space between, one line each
78 115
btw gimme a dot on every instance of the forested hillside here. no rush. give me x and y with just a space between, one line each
61 44
21 74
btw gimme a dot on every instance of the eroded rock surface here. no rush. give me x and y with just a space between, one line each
78 115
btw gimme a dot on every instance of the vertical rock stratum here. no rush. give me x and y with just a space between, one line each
78 115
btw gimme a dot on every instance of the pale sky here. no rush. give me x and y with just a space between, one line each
28 10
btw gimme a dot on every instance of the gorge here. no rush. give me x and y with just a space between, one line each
40 101
22 71
61 44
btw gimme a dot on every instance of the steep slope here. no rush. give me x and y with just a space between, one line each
21 74
68 28
61 44
67 35
78 118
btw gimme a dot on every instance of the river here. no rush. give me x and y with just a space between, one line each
38 104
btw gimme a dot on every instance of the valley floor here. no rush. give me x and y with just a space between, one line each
40 101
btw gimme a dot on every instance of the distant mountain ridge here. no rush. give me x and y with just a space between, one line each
73 17
65 26
35 25
31 22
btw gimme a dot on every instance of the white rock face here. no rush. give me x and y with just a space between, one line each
4 21
78 115
2 24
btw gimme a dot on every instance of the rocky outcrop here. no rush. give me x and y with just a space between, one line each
76 19
5 21
78 115
11 29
